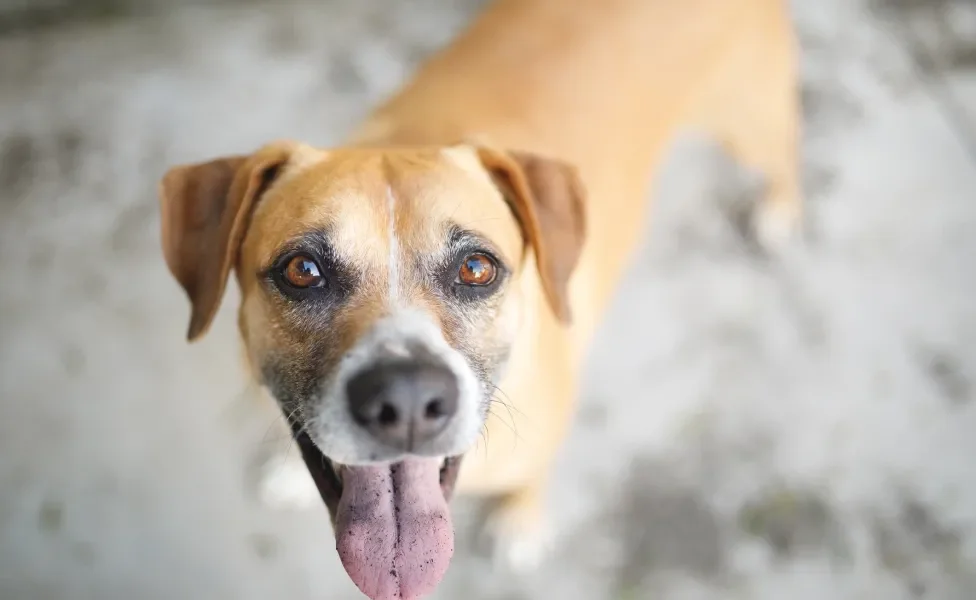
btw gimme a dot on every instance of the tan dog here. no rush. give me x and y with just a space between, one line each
465 241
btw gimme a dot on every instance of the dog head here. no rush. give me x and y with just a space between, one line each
381 291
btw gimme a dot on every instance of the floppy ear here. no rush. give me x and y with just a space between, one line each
548 198
205 211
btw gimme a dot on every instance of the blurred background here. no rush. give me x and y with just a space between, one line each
754 427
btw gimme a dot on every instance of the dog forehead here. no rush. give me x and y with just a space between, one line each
447 188
333 194
364 198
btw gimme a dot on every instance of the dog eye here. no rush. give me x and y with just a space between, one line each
302 272
477 269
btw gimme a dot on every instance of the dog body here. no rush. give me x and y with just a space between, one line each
603 85
441 274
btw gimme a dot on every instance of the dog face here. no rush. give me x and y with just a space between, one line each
379 299
381 288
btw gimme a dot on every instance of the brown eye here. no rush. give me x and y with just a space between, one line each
303 272
477 269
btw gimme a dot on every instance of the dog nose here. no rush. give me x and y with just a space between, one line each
403 404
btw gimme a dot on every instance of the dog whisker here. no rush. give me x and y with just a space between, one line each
293 417
483 434
506 402
288 420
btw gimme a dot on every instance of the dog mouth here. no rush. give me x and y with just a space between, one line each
393 527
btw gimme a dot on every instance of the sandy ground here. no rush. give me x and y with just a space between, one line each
799 425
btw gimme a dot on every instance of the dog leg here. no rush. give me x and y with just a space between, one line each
516 530
276 473
751 104
778 219
283 482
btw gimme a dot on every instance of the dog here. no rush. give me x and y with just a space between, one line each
457 252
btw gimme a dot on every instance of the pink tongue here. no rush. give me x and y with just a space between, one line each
393 529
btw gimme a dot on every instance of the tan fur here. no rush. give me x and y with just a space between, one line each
602 85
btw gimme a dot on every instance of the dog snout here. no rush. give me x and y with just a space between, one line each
403 404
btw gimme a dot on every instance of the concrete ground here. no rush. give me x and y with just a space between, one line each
757 427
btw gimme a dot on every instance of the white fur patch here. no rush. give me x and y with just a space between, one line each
516 546
394 262
339 437
285 484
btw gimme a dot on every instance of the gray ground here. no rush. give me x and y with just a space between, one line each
763 427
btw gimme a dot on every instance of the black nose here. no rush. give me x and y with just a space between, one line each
403 404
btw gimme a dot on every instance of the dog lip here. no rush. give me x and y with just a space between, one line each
449 474
327 477
319 467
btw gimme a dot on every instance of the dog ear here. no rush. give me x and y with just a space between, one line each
205 209
548 198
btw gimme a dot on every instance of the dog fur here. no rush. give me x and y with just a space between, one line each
534 136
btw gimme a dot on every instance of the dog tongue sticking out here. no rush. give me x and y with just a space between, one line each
393 529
